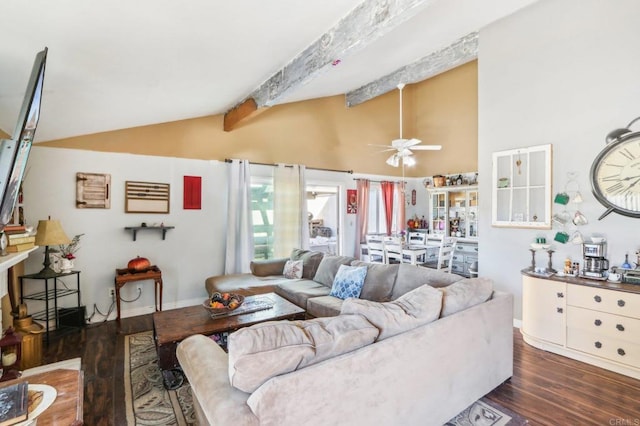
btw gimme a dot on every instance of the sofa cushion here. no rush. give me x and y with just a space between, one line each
465 294
310 261
379 281
412 276
264 268
292 269
299 291
328 268
413 309
324 306
243 283
268 349
348 281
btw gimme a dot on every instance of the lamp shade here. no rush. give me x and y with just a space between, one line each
50 233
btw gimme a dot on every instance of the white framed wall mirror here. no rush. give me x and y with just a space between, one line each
521 182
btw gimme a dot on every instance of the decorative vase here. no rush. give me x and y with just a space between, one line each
66 265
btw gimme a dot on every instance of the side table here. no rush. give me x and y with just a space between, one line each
124 276
50 293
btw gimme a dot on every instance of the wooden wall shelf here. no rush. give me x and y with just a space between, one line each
135 229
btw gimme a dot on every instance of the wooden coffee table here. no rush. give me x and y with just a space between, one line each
173 326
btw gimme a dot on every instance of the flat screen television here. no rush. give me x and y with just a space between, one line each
14 152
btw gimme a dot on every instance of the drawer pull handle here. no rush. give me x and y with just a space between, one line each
620 327
560 295
598 322
560 310
597 299
621 352
621 303
598 345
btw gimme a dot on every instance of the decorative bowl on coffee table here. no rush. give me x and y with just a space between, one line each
222 303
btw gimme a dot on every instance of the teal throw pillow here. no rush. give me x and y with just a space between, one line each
348 281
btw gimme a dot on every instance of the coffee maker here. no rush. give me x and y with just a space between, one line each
595 263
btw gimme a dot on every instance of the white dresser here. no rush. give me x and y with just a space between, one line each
592 321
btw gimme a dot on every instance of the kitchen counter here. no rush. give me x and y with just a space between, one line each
631 288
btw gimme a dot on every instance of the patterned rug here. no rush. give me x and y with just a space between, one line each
149 403
487 413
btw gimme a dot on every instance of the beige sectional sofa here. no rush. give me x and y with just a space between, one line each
416 348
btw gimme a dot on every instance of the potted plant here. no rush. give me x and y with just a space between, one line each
67 253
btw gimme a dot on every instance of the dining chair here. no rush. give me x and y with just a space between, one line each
415 251
392 249
375 247
445 254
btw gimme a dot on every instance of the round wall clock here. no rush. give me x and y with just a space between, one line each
615 174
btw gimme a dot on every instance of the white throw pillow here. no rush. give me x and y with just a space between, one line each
293 269
268 349
411 310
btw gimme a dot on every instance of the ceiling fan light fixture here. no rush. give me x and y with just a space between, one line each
409 161
394 160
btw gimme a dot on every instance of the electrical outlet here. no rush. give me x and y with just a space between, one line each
112 293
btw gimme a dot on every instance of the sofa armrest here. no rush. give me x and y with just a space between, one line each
265 268
206 366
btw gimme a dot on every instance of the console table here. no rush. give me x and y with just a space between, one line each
124 276
593 321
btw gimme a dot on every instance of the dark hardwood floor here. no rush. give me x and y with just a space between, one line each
547 389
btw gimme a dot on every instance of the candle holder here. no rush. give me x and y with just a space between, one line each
549 266
533 260
10 354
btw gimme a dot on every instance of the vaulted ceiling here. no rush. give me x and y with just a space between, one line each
120 64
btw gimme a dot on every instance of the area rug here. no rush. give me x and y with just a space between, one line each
149 403
487 413
146 399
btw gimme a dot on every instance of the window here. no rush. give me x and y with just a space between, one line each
376 221
262 217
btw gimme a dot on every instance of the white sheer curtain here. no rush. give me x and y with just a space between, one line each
290 222
362 215
402 200
239 224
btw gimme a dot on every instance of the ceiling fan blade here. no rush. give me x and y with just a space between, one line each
412 142
405 152
427 147
381 146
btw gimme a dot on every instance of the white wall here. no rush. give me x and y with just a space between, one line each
193 251
564 72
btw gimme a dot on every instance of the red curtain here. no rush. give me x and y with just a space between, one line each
387 198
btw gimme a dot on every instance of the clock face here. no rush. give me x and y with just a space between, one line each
615 176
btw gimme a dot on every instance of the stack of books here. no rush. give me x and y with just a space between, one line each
18 239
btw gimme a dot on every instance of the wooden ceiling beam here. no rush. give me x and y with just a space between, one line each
241 112
460 52
366 23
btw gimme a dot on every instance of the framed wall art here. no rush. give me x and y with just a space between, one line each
192 198
93 191
146 197
352 201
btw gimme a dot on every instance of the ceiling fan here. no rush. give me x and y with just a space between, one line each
404 147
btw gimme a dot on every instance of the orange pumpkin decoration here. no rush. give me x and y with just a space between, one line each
139 263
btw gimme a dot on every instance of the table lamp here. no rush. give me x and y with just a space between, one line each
49 233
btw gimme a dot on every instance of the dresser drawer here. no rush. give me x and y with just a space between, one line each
615 302
467 248
617 350
604 324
